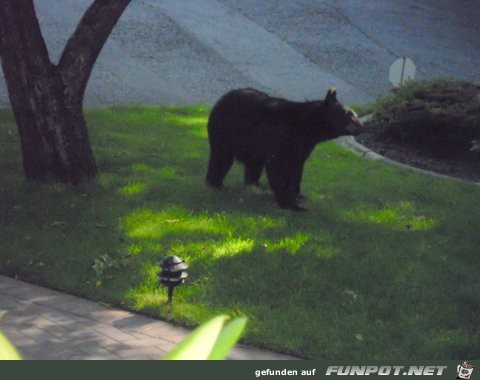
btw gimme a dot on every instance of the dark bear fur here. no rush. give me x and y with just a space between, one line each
272 133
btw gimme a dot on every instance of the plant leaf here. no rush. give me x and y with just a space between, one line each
227 339
7 350
199 344
211 340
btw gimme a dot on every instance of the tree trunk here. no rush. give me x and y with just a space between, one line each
47 99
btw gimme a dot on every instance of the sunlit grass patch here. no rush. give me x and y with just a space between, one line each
133 188
291 243
196 120
147 224
401 215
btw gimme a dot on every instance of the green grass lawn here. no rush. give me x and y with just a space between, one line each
385 265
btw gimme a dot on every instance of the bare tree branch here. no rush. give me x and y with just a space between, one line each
85 44
14 40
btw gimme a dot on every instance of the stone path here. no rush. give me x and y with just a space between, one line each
48 325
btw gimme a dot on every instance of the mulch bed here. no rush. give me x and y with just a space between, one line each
466 167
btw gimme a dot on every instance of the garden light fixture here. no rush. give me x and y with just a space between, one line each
172 274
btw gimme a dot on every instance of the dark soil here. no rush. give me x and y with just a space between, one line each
466 166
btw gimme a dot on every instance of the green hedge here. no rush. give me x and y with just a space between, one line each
441 115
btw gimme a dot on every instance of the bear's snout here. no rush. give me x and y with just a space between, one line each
355 126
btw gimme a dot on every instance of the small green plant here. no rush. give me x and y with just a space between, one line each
441 115
105 267
103 264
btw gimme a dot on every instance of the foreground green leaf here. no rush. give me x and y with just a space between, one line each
7 350
212 340
227 339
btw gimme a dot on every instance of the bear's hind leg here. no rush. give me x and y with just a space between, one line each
253 172
218 166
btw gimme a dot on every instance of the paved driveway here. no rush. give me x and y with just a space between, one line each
192 51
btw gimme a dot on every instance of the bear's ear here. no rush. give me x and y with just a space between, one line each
331 95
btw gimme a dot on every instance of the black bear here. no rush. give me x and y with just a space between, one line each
261 131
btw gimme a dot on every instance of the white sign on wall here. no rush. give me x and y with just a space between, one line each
401 70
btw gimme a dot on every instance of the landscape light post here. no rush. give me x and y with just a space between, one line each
172 274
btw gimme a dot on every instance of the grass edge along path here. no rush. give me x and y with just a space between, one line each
381 267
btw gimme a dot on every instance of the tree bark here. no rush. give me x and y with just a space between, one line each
47 99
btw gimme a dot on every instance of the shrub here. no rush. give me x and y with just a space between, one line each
441 116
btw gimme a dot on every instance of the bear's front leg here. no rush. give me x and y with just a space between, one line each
299 154
296 174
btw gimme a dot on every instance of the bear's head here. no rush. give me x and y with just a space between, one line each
340 119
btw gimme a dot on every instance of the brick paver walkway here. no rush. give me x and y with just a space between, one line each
48 325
